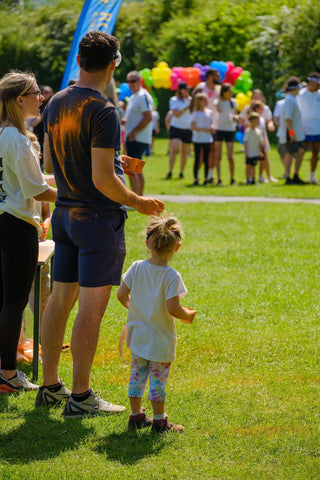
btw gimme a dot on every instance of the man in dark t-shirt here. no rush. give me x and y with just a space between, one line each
81 147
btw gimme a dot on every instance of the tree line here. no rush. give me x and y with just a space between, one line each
272 40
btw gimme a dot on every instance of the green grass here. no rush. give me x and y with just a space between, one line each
246 381
157 168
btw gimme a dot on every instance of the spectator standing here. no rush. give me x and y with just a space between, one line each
82 143
138 126
309 103
21 181
291 131
254 145
179 128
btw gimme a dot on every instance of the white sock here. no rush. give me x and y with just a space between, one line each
136 413
161 416
210 173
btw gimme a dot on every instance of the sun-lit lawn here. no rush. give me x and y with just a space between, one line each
246 381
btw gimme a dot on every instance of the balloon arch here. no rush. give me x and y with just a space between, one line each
162 76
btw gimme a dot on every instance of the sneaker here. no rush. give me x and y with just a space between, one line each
16 384
181 175
273 180
93 405
313 180
161 426
219 183
49 396
261 180
297 180
289 181
210 180
196 183
139 421
232 182
169 175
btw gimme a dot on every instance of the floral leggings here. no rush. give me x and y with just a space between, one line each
158 374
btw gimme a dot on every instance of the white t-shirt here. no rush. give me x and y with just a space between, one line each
155 119
176 103
277 113
267 115
254 140
309 103
213 95
291 111
21 178
226 110
151 329
139 102
202 120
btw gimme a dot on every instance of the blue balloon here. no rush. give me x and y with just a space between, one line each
222 68
239 136
124 91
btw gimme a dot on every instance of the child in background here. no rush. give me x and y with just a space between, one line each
151 290
253 147
202 128
226 126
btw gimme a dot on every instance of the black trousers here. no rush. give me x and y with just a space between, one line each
205 147
18 261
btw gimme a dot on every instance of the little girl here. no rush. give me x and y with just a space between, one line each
154 300
202 128
226 125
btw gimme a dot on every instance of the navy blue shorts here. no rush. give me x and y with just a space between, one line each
224 135
312 138
89 246
136 149
183 134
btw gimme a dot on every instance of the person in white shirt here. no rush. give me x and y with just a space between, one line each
202 128
276 116
151 290
211 87
21 181
291 132
138 126
179 128
254 146
309 102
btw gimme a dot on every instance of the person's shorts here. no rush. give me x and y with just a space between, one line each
252 161
282 149
182 134
293 147
89 246
224 136
136 149
312 138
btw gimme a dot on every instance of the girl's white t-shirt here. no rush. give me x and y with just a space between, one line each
226 110
202 120
183 122
21 178
151 329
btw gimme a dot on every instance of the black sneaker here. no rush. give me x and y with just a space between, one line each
196 183
219 183
289 181
169 175
297 180
161 426
210 180
52 395
232 181
181 175
139 421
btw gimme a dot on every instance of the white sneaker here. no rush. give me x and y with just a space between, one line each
313 180
18 383
261 180
93 405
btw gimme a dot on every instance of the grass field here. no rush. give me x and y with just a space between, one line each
246 381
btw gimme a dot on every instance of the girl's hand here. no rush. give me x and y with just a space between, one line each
190 313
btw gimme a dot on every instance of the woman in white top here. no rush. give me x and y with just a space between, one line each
21 181
226 126
180 127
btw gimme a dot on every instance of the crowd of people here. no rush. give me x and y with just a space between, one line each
78 133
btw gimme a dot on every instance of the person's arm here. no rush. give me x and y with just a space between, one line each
123 295
50 195
146 119
47 161
178 311
290 130
245 149
46 220
110 185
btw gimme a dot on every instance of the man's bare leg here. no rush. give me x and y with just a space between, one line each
85 335
60 304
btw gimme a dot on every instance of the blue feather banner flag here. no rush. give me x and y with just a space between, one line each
96 15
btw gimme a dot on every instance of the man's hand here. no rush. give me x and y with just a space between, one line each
149 206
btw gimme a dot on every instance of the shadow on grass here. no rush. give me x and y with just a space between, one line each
40 437
129 447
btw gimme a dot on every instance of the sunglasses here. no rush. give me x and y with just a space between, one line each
117 58
37 92
133 80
